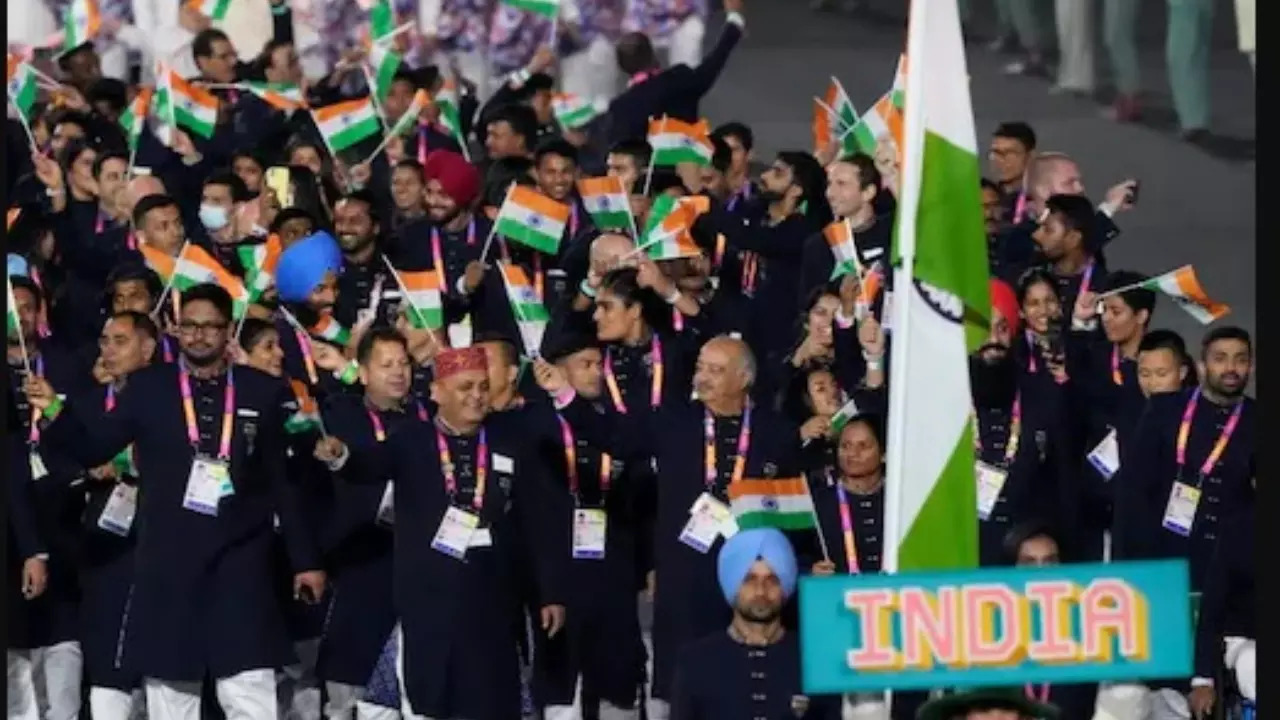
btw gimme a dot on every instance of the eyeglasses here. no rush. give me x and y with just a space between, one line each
192 328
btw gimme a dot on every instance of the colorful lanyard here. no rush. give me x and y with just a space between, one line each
100 223
1043 694
33 432
1031 352
131 240
422 144
189 411
573 220
1020 207
42 320
720 245
655 388
167 348
1086 277
380 432
571 461
1220 446
308 361
709 450
1015 432
482 468
750 269
109 403
677 320
846 528
743 194
641 77
1116 376
437 253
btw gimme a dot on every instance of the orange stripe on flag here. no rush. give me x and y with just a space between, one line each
420 280
230 283
198 95
515 275
697 204
700 129
758 486
600 186
1189 286
329 112
837 233
539 203
821 126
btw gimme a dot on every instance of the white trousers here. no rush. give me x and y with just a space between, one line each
112 704
1242 657
1075 43
44 683
608 711
297 687
685 44
250 695
592 73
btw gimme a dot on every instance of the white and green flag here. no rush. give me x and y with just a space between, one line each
941 307
545 8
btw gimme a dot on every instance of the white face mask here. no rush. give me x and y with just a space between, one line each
213 217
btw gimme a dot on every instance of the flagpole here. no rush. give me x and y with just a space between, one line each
168 285
653 155
404 293
817 521
31 139
484 252
22 342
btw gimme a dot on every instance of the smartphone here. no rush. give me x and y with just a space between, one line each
1053 338
1133 193
280 182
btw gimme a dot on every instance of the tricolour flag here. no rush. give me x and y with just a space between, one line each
280 96
307 418
676 141
839 235
81 24
606 202
23 87
215 10
423 293
783 503
385 63
530 314
124 464
382 20
944 312
194 266
259 262
134 117
449 115
545 8
882 120
847 412
531 218
573 111
330 330
667 232
347 123
191 107
1183 287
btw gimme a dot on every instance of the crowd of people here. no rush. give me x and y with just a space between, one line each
420 422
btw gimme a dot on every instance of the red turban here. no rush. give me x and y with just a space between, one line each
1006 301
459 178
452 361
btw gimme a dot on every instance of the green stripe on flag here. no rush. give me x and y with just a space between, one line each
355 133
430 318
545 8
513 229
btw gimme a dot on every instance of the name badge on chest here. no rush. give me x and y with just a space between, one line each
209 482
589 528
1105 458
387 506
454 534
708 519
1180 513
991 480
117 516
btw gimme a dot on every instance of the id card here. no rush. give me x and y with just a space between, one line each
886 312
1180 513
117 516
207 484
589 525
38 469
1105 458
991 480
454 535
708 519
387 506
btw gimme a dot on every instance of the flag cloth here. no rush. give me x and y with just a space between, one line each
124 464
882 120
826 131
422 291
23 87
280 96
944 314
134 118
832 118
573 111
666 234
215 10
409 117
783 503
838 100
898 93
839 235
191 107
307 418
194 266
847 412
382 20
1183 287
347 123
259 262
545 8
81 24
11 217
531 218
530 314
606 202
13 327
385 63
446 99
676 141
329 329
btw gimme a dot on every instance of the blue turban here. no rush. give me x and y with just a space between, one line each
304 264
741 551
18 266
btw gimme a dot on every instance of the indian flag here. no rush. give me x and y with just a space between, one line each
124 464
384 63
1184 288
573 111
847 412
545 8
194 266
839 235
330 330
530 314
382 19
422 290
898 93
833 115
260 263
531 218
307 419
347 123
81 24
215 10
676 141
191 107
280 96
606 202
13 327
883 119
409 117
134 117
784 504
944 310
23 87
667 232
446 99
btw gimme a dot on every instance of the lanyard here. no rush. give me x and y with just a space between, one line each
1020 207
308 361
1086 277
571 461
437 254
42 320
100 223
709 450
189 411
720 244
422 144
1015 432
743 194
167 347
131 240
1116 376
655 388
750 269
677 320
110 403
482 468
573 220
846 528
1031 352
380 432
33 432
1219 446
1042 695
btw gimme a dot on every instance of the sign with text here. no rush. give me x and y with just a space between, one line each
995 627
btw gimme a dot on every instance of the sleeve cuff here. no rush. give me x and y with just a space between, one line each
843 321
461 285
1201 682
736 19
341 461
1107 209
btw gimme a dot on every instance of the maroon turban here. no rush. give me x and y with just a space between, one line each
452 361
459 178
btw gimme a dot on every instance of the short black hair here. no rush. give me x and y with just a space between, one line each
212 293
1163 339
141 322
662 180
64 59
736 130
1031 278
634 52
502 172
66 116
411 164
868 173
1027 530
22 282
1017 130
623 283
365 197
103 157
73 150
108 90
224 176
364 349
555 146
537 82
134 272
638 149
1137 298
1226 332
521 118
721 154
253 331
1077 213
510 351
291 213
202 44
808 173
149 203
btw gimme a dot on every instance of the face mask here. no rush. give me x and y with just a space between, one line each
213 217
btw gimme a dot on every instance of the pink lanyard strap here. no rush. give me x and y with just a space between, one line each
846 529
109 403
1031 352
167 347
1086 277
712 470
308 360
379 432
573 220
33 432
189 412
437 250
1219 446
571 461
1116 376
447 468
422 144
655 385
1042 695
